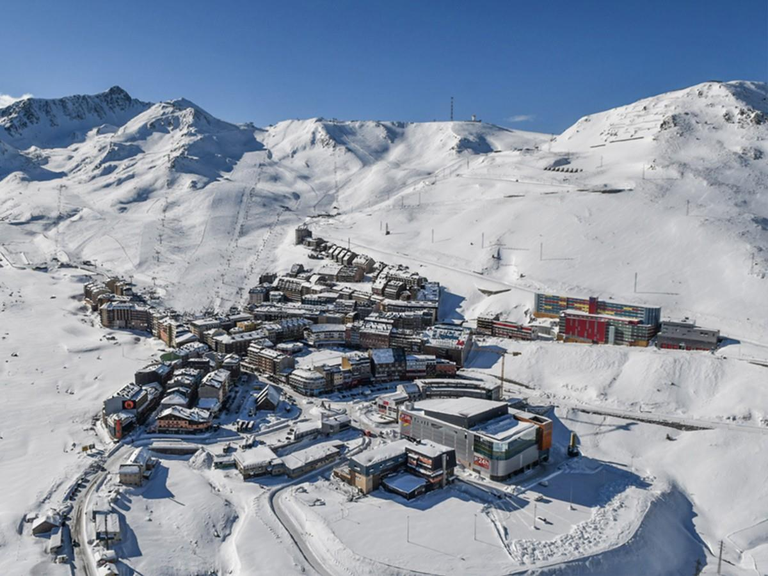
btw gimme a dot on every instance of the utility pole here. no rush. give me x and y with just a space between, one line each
720 558
541 251
408 529
58 220
451 108
445 474
475 527
601 161
503 359
534 516
482 240
635 282
349 244
433 235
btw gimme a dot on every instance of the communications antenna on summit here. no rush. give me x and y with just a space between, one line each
451 108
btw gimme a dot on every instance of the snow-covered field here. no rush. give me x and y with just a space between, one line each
175 524
55 370
462 528
671 189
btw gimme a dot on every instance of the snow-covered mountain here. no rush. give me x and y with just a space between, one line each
661 201
48 123
172 196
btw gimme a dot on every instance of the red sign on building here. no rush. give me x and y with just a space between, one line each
482 462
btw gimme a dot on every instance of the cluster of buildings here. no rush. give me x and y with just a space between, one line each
183 394
354 368
485 436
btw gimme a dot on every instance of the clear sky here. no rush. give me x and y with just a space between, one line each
526 64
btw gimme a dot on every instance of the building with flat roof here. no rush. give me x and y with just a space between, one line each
257 461
303 461
326 334
268 361
366 469
578 326
488 436
431 462
307 382
550 306
685 335
449 341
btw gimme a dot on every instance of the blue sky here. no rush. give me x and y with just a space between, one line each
529 65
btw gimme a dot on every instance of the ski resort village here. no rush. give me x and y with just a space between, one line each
360 347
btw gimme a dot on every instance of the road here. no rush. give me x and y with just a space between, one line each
298 536
83 556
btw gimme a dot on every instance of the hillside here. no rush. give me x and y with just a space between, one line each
661 201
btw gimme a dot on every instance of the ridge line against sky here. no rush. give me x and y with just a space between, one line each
531 67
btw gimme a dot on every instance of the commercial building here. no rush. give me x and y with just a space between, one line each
257 461
577 326
431 463
449 341
303 461
551 306
160 373
488 436
686 335
388 405
366 469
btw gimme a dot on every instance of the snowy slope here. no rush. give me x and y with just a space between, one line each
46 123
671 188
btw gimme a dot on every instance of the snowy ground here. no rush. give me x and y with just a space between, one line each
464 530
56 367
199 208
175 524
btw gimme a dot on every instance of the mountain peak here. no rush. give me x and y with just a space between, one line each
46 122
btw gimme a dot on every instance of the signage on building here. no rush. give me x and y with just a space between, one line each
405 419
482 462
129 405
